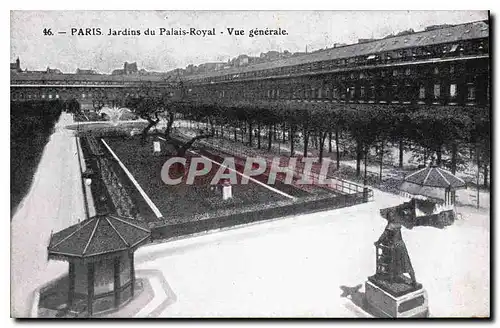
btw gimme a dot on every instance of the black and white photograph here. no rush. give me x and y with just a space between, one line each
250 164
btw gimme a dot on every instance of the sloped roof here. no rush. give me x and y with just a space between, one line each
43 76
468 31
435 177
98 235
455 33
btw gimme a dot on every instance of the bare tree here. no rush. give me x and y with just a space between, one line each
147 108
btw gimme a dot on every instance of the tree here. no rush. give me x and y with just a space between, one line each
148 108
402 129
321 127
439 129
153 105
99 101
73 106
201 113
366 125
149 104
480 139
336 123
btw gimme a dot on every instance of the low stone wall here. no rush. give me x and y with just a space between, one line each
253 215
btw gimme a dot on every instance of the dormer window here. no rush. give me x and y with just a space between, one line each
335 93
351 91
437 91
421 93
453 90
471 92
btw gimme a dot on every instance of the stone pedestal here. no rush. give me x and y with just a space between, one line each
396 300
227 191
156 148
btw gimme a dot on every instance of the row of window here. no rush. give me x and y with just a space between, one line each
64 82
82 96
381 93
450 69
440 51
35 96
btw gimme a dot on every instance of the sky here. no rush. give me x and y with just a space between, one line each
314 29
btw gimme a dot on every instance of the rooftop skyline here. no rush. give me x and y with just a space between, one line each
314 29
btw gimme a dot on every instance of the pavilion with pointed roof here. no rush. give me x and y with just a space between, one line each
100 252
431 181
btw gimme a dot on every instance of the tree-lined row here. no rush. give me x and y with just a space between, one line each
450 136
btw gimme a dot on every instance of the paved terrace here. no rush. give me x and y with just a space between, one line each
54 202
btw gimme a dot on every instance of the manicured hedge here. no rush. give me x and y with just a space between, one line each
31 124
265 213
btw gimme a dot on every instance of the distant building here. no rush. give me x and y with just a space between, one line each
366 40
53 71
270 55
406 32
16 66
191 69
85 71
211 67
437 27
128 69
241 60
177 72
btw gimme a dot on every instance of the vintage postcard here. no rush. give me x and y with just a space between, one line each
250 164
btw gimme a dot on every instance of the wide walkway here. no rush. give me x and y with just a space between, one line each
299 266
53 202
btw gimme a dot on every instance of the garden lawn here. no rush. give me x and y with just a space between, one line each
183 201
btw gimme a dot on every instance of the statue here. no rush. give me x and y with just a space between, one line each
393 261
393 291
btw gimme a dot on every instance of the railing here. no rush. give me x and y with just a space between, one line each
234 217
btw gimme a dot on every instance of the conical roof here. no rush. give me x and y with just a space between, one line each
98 235
435 177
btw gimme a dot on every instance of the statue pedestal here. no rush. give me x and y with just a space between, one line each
396 300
